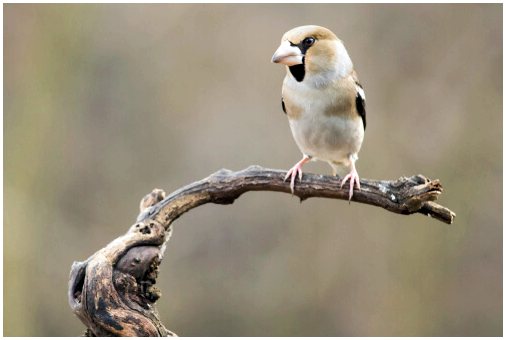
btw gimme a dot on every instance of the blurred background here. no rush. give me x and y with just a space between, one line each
103 103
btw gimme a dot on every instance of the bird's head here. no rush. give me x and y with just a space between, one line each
313 51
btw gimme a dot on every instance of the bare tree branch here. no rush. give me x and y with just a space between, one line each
113 291
407 195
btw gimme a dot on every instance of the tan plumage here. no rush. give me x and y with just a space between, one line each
323 100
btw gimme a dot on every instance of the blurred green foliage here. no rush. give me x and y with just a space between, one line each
102 103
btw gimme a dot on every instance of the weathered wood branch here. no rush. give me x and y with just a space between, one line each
407 195
113 291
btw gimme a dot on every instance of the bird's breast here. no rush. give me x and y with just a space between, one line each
323 122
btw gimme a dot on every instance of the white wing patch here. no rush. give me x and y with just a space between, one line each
360 91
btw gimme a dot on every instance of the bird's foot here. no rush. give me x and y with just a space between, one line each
295 171
354 179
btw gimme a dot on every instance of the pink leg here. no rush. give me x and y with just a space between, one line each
296 169
353 177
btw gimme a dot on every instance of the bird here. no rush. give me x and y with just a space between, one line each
323 100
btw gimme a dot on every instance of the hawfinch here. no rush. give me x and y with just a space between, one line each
323 100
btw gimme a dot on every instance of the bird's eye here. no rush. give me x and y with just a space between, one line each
308 41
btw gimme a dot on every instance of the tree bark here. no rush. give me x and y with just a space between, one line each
113 291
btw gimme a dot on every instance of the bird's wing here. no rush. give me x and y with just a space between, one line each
283 105
360 102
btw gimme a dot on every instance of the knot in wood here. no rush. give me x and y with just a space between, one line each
148 227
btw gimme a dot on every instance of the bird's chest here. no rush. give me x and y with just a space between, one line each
308 101
322 122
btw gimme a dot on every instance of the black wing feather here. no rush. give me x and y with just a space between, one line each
283 105
360 103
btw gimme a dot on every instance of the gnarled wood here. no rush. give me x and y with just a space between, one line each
407 195
113 291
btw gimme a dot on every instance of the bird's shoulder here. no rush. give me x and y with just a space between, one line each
350 98
347 97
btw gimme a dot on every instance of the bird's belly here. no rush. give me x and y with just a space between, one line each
328 138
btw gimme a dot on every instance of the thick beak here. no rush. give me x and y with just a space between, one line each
287 54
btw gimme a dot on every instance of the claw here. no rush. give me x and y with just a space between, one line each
354 179
296 171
